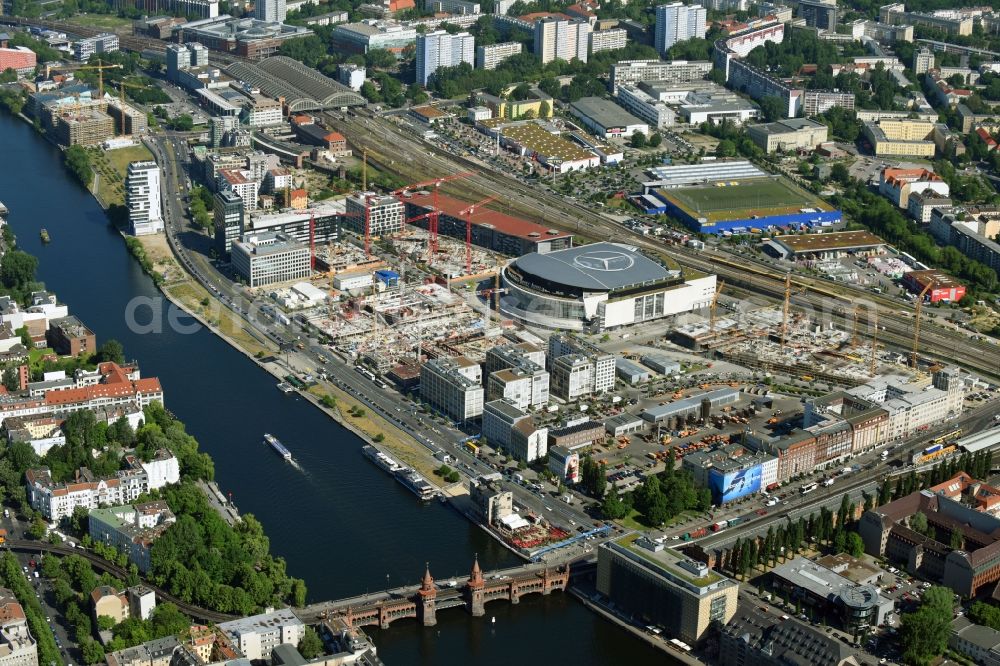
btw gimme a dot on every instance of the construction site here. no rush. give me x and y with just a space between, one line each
780 340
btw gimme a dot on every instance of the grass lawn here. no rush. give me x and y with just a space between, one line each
35 357
111 166
105 21
745 198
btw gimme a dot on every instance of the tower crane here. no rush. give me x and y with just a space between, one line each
872 368
435 211
100 67
918 306
121 97
784 311
715 303
467 212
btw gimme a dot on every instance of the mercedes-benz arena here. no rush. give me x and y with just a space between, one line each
597 287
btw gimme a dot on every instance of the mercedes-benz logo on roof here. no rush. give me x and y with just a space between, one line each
604 260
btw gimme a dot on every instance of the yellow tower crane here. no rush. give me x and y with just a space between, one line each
715 303
874 340
100 67
916 325
784 312
121 97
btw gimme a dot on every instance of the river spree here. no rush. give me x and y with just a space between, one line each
341 524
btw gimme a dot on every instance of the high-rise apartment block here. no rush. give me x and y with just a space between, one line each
142 198
561 38
440 49
272 11
678 22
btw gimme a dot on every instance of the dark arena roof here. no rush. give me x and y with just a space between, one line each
599 267
303 88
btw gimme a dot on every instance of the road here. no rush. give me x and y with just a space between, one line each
382 137
191 249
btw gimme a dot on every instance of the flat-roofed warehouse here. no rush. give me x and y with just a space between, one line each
303 88
606 119
529 139
490 229
826 246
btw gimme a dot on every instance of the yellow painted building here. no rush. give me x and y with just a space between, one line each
904 137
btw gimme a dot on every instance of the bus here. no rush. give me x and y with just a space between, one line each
808 488
948 437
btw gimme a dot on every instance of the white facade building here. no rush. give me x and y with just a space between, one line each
142 198
511 429
561 38
268 258
386 214
454 386
678 22
441 49
242 183
351 75
256 636
491 55
608 40
523 387
272 11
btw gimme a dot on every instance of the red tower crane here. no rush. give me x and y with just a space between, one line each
467 212
432 219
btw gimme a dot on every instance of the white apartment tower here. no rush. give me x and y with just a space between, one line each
441 49
560 38
142 198
272 11
677 22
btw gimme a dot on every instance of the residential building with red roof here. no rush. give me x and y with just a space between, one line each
17 647
898 184
990 142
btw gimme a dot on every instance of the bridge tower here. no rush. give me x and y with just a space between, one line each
426 608
477 590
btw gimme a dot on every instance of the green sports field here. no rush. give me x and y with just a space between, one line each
743 199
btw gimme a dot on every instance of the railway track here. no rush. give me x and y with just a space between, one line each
196 612
833 301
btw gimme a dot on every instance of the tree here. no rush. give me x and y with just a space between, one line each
167 620
92 651
38 528
726 148
773 108
918 523
17 269
111 351
544 109
839 173
924 633
655 139
855 545
310 646
638 140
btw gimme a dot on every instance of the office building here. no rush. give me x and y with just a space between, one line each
261 111
490 55
523 387
603 374
633 72
131 528
952 21
678 22
608 40
828 594
513 431
383 214
897 185
819 14
453 385
514 355
645 579
565 464
788 135
105 42
267 258
441 49
84 127
271 11
181 57
142 198
227 217
561 38
980 643
960 549
756 636
372 34
258 635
